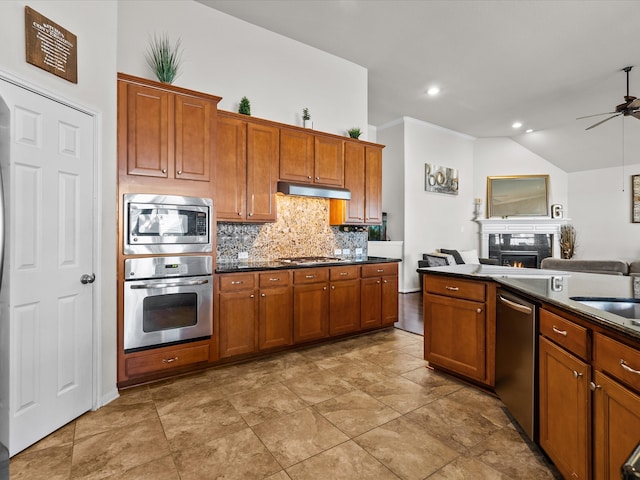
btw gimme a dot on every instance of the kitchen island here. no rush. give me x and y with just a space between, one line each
586 376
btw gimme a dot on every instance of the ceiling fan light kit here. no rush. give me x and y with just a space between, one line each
631 107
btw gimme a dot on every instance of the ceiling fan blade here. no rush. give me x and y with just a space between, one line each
634 104
602 121
636 115
596 115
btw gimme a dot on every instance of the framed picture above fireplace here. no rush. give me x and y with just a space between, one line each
518 196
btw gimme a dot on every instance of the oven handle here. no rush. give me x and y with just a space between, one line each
167 285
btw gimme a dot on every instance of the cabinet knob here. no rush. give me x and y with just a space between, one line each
576 374
240 213
317 178
385 281
263 294
324 288
179 172
594 386
378 281
164 170
252 296
479 310
309 177
333 287
251 214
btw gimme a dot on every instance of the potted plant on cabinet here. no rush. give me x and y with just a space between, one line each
245 106
164 58
306 118
354 132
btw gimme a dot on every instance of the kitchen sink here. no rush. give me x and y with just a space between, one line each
625 307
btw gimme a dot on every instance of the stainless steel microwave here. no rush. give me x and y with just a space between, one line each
155 224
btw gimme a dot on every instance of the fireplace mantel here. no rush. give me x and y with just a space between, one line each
490 226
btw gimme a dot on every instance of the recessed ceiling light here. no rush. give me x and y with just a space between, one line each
433 91
516 125
528 130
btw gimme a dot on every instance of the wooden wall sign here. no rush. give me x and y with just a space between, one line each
49 46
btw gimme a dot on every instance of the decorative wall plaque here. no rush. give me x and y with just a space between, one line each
440 179
635 198
49 46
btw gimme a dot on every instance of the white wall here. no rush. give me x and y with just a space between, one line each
94 24
231 58
430 220
601 213
392 136
495 157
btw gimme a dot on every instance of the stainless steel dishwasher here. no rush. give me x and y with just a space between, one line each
516 358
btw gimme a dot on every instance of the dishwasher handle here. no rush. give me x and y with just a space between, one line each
516 306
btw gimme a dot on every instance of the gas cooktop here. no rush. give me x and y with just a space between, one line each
309 260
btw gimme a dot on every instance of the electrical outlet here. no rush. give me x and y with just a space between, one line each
346 251
337 251
358 252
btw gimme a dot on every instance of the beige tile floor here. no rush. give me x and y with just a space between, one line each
361 408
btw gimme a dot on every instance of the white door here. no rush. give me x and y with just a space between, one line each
50 228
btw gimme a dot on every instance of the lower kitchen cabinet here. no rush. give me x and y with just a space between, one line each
344 300
459 327
310 304
379 295
165 359
564 402
275 325
238 315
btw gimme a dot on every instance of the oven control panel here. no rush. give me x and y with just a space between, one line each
167 267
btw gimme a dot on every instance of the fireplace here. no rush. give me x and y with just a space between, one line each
520 242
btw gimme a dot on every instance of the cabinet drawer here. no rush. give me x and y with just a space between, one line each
310 275
617 359
454 287
343 273
380 269
233 283
274 279
157 362
565 333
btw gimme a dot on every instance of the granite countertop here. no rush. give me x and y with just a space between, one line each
259 265
558 288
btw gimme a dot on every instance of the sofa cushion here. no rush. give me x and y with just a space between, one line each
455 253
609 267
470 256
634 268
436 260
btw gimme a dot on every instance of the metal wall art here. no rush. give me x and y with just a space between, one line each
440 179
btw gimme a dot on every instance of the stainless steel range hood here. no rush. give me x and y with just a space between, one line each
321 191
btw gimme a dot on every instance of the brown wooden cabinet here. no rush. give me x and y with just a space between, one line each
379 293
237 314
344 300
363 178
459 327
164 132
564 402
310 304
307 157
246 169
275 310
160 361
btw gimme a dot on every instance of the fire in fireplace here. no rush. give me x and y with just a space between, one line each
519 259
520 249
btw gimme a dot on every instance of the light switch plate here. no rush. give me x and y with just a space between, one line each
337 251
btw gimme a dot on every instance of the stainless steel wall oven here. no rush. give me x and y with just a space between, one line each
167 300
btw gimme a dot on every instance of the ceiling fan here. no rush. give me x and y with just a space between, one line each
631 106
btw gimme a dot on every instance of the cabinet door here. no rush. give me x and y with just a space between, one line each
238 323
564 409
296 156
329 161
194 138
310 312
371 303
276 317
455 335
262 171
231 169
373 185
389 299
148 116
354 180
344 307
616 426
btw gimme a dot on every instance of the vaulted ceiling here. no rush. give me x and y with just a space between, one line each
539 62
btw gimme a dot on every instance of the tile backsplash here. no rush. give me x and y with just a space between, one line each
302 229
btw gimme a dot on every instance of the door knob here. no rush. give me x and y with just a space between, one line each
86 278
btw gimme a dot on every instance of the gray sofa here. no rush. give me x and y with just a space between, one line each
608 267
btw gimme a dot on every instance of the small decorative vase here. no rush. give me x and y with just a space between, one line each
307 123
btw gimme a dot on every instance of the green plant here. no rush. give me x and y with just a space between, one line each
354 132
164 58
245 106
305 114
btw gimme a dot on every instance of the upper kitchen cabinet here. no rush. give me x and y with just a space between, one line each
246 169
165 133
311 158
363 178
